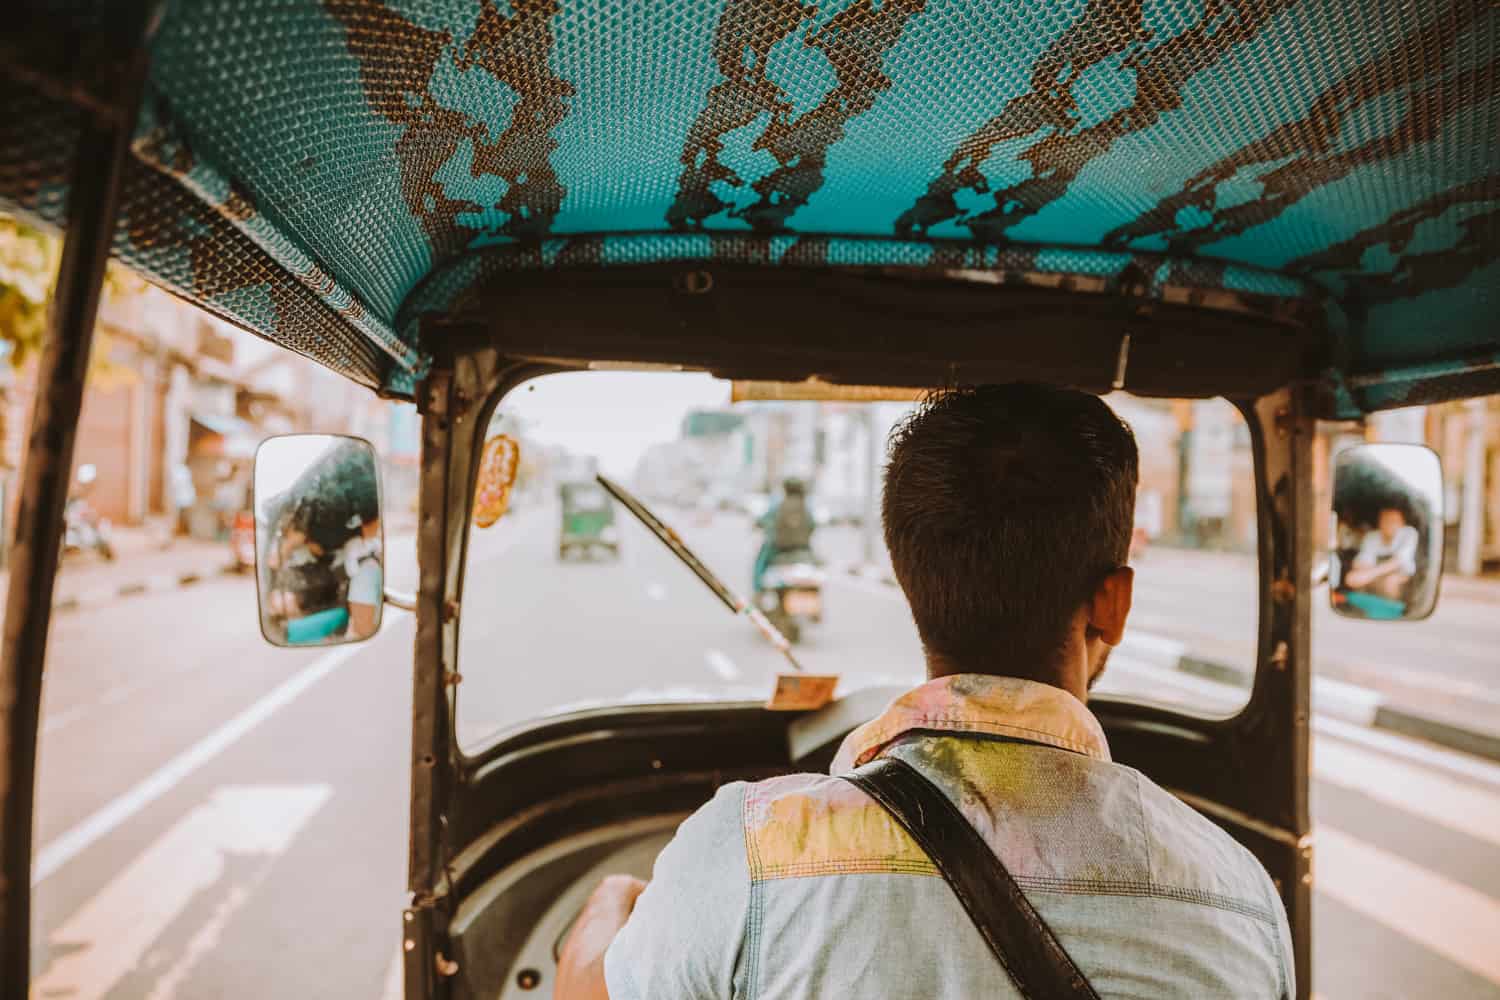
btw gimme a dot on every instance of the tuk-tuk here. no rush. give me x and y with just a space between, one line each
1275 202
588 521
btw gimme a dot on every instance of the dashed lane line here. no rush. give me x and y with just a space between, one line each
1430 796
1445 917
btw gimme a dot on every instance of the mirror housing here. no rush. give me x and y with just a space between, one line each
319 544
1386 558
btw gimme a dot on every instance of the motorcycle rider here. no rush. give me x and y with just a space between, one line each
788 527
83 528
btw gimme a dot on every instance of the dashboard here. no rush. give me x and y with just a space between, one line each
507 934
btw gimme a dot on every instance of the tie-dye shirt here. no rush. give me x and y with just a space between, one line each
802 886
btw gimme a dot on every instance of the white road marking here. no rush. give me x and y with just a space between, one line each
106 938
656 592
721 664
1430 797
1446 917
204 940
79 838
57 720
1460 764
1452 686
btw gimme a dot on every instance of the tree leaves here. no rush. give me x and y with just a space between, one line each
29 259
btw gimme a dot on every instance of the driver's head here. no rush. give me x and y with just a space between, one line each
794 487
1008 512
1392 520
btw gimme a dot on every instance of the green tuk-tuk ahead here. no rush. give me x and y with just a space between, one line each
1290 204
588 521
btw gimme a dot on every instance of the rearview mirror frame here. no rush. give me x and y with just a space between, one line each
1386 532
319 540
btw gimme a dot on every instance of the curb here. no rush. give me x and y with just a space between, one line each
1364 706
1347 702
153 584
1443 733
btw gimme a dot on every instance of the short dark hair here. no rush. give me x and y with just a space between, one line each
1004 508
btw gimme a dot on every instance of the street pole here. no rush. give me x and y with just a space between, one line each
1471 516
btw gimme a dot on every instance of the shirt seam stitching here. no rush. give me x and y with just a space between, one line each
1042 883
1146 839
1268 890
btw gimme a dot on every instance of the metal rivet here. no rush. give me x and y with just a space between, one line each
697 282
528 979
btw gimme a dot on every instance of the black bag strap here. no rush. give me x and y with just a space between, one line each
1026 947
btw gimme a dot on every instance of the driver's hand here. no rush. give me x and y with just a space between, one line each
580 969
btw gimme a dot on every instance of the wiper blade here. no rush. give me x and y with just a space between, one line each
673 541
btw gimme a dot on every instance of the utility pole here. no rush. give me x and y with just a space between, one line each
1471 516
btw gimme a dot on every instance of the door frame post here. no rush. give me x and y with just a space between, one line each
1288 430
95 181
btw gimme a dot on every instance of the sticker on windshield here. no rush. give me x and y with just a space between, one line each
802 692
497 473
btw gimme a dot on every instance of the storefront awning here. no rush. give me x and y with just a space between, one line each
223 436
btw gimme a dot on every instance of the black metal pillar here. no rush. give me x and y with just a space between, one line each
1283 691
93 196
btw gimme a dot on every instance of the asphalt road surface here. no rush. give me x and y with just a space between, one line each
222 819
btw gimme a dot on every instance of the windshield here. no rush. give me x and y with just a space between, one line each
571 603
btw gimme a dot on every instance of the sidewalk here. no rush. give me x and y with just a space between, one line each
142 563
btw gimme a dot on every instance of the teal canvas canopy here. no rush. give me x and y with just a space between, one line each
330 173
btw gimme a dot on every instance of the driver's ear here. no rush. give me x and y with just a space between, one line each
1111 605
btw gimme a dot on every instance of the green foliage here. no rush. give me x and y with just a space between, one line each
29 259
28 266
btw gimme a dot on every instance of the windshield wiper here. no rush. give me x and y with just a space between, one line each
671 540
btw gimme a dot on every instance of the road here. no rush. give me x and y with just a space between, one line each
220 819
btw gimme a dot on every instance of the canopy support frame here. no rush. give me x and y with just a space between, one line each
97 172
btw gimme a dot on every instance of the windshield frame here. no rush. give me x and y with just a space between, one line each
1249 772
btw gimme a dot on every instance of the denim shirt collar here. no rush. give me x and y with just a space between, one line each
979 704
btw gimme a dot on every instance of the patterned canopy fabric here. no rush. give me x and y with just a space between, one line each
329 172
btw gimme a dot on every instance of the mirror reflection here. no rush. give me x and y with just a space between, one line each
1388 532
319 546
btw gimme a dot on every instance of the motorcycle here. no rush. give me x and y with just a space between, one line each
83 529
791 593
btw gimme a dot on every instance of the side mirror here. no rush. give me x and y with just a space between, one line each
1387 541
319 547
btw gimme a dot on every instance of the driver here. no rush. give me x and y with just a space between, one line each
1387 558
1008 515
